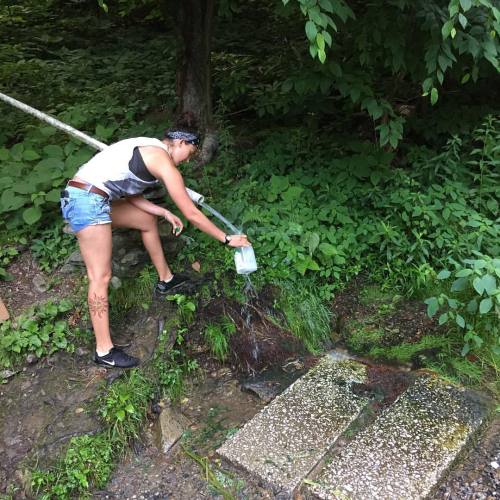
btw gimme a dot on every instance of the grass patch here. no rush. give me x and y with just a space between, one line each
307 316
363 338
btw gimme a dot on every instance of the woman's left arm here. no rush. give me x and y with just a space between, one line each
151 208
147 206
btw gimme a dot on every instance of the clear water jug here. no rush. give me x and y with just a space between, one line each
244 259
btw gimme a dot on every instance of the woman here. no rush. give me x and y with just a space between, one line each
105 193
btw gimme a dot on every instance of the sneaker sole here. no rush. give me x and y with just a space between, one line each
157 293
110 367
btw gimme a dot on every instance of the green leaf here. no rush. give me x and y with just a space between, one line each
465 349
434 95
32 215
321 56
463 273
465 4
485 305
53 195
489 283
443 318
432 306
460 321
446 29
462 20
4 154
444 274
53 151
465 78
313 242
327 249
311 31
478 285
472 306
320 41
30 155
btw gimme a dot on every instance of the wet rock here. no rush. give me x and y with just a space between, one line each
169 428
116 282
73 263
31 359
81 351
40 283
6 374
293 366
265 390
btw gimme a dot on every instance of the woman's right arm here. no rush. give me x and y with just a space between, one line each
161 166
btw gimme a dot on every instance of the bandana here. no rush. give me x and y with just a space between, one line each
184 136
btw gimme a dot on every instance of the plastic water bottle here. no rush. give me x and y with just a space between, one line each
244 259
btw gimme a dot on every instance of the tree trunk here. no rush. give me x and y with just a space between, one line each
194 84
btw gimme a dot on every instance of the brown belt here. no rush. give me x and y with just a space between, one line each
88 187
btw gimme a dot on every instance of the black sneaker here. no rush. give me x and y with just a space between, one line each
116 358
172 286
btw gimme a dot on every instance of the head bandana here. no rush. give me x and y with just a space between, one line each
184 136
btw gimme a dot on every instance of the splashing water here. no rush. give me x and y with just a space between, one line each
248 289
250 293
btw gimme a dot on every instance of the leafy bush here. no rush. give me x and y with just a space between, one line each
40 331
472 304
7 254
52 246
313 208
124 405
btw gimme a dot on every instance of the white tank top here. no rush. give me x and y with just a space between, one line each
112 169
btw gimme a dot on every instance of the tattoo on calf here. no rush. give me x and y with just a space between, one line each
98 305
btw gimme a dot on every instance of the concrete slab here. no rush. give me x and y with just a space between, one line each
282 443
407 449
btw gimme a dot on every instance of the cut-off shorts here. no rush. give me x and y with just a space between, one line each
81 208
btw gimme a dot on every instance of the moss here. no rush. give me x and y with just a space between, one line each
363 338
374 294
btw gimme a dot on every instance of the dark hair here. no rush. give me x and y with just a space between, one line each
188 136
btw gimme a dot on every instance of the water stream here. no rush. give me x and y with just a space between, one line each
248 289
219 216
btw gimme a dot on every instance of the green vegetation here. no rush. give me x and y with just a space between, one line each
52 247
474 305
41 330
134 292
217 337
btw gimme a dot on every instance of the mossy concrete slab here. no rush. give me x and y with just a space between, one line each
282 443
408 448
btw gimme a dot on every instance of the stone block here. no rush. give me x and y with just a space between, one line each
282 443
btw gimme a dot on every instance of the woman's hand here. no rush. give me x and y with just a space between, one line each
177 225
238 240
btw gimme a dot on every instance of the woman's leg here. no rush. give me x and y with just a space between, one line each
124 214
95 247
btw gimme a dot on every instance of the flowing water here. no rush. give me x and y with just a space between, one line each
248 289
220 217
250 293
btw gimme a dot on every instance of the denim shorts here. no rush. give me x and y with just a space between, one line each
81 208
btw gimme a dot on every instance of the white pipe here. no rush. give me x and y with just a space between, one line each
54 122
196 197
